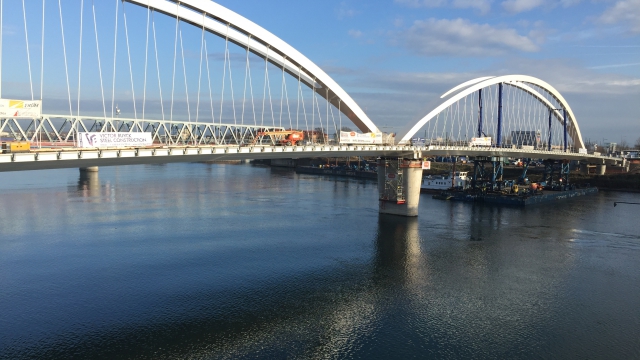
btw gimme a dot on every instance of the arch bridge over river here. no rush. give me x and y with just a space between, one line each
219 107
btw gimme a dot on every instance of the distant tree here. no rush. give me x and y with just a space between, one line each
345 128
319 135
624 145
638 144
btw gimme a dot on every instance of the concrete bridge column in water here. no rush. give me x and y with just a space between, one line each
399 186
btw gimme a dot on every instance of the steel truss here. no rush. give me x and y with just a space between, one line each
61 130
559 167
393 188
485 178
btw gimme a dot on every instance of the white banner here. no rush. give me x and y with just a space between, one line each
353 137
426 165
114 139
480 141
20 108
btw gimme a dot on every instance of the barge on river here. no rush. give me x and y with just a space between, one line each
517 200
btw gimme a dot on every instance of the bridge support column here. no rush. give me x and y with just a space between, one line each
399 186
601 169
584 168
89 169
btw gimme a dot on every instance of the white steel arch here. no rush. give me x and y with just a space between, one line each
519 81
245 33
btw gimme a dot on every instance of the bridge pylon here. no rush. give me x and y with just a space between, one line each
399 182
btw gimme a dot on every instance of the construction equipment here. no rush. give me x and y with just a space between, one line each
16 147
281 137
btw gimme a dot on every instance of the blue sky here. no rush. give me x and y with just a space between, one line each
394 57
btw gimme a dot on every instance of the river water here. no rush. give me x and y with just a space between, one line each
208 261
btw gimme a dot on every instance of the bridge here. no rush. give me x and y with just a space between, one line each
240 84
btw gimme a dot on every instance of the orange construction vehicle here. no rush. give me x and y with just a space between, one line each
282 137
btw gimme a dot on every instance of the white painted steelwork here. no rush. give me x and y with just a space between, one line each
73 157
519 81
58 130
229 25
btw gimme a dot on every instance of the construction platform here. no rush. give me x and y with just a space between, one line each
518 200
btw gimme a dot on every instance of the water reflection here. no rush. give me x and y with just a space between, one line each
398 248
89 184
219 261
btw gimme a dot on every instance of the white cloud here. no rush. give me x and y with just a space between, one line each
483 6
344 11
422 3
615 66
518 6
623 12
402 98
460 37
355 33
567 3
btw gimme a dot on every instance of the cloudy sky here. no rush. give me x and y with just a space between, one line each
394 57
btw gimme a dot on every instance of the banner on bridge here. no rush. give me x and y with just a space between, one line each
114 139
20 108
352 137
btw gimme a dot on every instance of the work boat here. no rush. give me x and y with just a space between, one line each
444 182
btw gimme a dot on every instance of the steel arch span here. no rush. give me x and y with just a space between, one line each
541 92
218 20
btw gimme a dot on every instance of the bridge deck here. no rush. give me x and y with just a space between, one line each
39 159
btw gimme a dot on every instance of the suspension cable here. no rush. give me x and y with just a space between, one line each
115 51
264 90
41 54
126 32
80 55
246 77
95 29
64 51
175 55
313 108
155 45
286 92
26 37
224 73
266 65
327 108
184 73
146 61
233 98
253 105
298 104
282 92
39 134
213 118
340 114
200 70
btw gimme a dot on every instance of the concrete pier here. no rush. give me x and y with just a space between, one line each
584 168
89 169
399 183
601 169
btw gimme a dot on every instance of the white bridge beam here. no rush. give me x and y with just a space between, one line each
519 81
227 24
